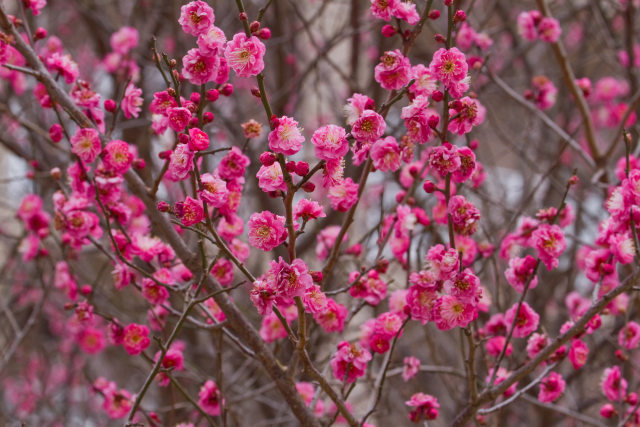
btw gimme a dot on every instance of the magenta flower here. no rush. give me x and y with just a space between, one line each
393 70
214 190
123 40
613 385
180 163
233 165
178 118
385 154
464 215
196 17
450 67
629 335
550 243
199 69
293 279
369 127
343 195
190 211
210 399
198 140
411 367
551 387
526 322
426 407
117 157
308 209
578 353
86 144
212 41
286 138
349 362
245 55
132 101
266 230
330 142
135 338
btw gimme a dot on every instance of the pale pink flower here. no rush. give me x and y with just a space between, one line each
245 55
369 127
123 40
271 178
526 322
214 190
411 367
393 70
551 387
266 230
406 10
425 84
180 163
343 195
199 69
549 29
86 144
308 209
196 17
212 41
355 106
330 142
385 154
286 138
64 65
132 101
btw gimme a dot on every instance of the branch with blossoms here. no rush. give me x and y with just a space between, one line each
346 260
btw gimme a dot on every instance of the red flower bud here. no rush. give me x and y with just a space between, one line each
208 117
308 187
254 26
302 168
437 96
242 16
267 158
264 33
434 14
213 95
227 89
429 187
389 30
165 154
110 105
291 166
439 38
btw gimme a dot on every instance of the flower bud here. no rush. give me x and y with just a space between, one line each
213 95
254 26
316 276
40 33
308 187
429 187
434 14
165 154
302 168
399 196
242 16
473 144
382 266
110 105
255 91
208 117
264 33
139 163
439 38
607 410
291 166
437 96
389 30
267 158
55 173
355 250
194 97
164 206
55 132
227 89
459 16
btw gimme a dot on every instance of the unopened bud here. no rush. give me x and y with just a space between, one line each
389 30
